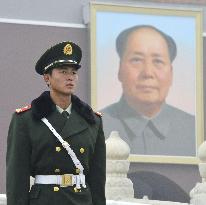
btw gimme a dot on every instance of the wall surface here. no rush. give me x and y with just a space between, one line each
69 11
22 44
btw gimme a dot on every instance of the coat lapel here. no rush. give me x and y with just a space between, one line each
133 123
75 124
67 127
57 121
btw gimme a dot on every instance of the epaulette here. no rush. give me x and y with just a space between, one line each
98 113
23 109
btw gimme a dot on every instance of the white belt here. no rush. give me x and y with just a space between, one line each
62 180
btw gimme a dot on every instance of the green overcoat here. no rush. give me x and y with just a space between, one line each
32 150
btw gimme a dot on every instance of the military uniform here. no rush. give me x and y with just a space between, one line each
33 150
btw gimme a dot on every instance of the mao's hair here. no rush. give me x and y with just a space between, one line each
122 38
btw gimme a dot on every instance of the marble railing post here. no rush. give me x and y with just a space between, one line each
198 193
2 199
118 186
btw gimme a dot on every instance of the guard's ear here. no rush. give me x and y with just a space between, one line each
46 79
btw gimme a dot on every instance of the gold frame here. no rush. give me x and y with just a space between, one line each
194 13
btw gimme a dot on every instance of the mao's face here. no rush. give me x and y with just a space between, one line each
145 68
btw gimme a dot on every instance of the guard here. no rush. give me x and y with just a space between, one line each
58 140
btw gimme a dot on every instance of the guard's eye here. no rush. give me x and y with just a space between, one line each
64 72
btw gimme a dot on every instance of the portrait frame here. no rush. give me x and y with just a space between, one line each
103 14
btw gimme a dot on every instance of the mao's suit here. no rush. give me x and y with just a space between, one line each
171 132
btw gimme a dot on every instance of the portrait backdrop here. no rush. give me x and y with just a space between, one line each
184 26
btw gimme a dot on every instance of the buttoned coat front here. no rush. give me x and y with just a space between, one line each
34 150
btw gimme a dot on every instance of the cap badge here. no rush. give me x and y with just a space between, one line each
68 49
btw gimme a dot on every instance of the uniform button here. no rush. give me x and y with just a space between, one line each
57 170
56 188
81 150
77 171
58 149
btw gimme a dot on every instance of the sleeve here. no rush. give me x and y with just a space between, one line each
18 162
97 173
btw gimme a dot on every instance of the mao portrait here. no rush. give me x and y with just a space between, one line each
142 115
146 80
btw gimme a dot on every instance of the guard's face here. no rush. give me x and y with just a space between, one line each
145 69
62 80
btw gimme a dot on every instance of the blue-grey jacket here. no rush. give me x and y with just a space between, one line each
171 132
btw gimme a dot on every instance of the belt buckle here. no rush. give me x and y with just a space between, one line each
66 180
